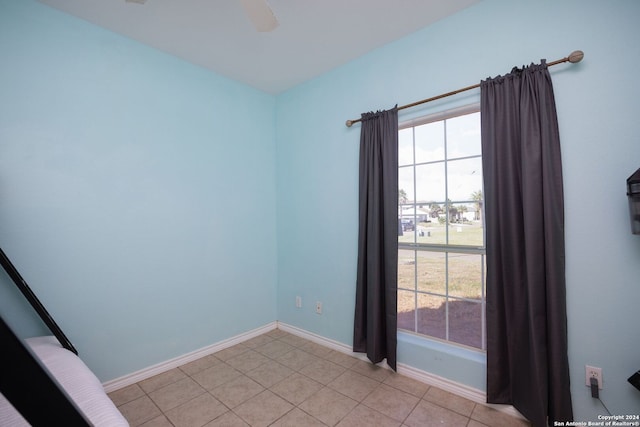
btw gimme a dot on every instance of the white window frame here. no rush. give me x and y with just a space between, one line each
445 248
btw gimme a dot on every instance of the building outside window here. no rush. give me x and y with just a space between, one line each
441 251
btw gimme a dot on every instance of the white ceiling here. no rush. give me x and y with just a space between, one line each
313 37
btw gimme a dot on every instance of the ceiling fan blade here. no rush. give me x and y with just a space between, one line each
260 14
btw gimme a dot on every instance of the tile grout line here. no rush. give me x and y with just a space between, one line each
302 342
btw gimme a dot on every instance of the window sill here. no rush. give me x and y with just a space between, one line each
458 364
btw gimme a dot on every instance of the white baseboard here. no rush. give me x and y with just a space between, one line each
462 390
159 368
334 345
406 370
470 393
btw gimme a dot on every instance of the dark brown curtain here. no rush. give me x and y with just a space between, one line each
527 362
376 288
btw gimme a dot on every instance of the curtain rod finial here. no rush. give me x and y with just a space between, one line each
349 123
576 56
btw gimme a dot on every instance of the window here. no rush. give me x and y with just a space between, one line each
441 252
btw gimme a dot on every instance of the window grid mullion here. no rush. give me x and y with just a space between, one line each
446 290
446 227
415 252
446 185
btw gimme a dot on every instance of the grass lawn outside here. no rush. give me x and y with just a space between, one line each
421 274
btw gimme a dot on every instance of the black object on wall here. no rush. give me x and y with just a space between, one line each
635 380
633 193
31 389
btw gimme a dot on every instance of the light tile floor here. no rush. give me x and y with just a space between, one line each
280 379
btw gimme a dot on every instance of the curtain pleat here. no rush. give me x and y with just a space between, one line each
375 320
527 362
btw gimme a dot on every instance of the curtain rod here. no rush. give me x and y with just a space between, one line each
575 56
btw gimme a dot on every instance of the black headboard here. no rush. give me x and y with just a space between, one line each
29 387
35 302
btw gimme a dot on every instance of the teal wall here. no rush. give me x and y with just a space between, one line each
152 220
137 192
597 103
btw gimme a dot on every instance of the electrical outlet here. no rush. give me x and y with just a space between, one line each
593 372
298 302
318 307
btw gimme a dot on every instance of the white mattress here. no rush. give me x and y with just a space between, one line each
77 380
